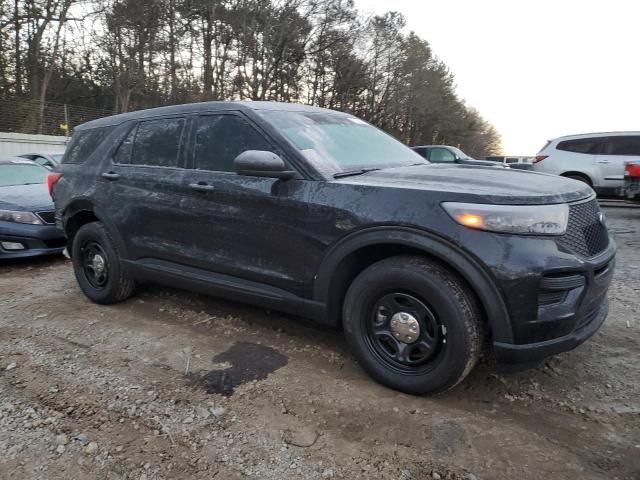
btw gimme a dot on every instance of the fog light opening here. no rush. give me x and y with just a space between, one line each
12 246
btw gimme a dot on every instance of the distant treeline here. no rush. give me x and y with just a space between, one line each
122 55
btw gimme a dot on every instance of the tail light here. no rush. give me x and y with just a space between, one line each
52 179
539 158
632 169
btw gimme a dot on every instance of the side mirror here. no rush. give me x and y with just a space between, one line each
260 163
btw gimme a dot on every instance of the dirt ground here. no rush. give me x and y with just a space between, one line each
175 385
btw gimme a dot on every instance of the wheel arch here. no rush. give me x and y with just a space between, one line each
83 211
579 174
351 255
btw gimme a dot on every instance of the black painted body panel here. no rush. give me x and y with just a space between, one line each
284 239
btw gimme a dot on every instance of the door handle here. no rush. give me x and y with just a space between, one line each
201 187
111 175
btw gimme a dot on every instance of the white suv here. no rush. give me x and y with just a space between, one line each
595 158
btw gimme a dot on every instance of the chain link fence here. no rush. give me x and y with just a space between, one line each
27 115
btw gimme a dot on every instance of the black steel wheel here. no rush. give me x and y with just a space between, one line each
94 263
413 325
97 265
404 332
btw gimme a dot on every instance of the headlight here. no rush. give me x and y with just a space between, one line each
19 217
521 219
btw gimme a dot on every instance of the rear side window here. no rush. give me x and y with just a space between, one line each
582 145
221 138
156 143
422 151
84 143
623 145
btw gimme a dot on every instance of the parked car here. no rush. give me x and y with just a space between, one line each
596 159
47 160
27 223
319 214
447 154
519 163
631 188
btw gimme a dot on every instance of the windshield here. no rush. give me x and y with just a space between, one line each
334 142
21 174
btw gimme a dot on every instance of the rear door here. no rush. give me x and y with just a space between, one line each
144 186
576 155
614 152
248 227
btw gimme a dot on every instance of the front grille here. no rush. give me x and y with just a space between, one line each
47 217
586 235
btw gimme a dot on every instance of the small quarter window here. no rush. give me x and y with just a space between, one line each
84 143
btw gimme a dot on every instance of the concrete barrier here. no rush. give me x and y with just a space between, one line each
18 143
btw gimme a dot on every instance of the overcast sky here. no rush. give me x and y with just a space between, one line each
536 69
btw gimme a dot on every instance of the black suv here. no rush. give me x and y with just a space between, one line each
319 214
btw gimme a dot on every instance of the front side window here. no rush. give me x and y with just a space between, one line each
157 142
221 138
442 155
335 142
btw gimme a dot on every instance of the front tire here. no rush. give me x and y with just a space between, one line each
97 266
413 325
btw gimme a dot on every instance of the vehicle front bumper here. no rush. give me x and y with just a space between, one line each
36 240
544 329
530 355
554 299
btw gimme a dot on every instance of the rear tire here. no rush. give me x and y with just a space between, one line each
97 266
413 325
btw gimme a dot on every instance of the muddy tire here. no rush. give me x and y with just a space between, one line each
97 266
413 325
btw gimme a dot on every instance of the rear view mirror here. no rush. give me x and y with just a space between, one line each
260 163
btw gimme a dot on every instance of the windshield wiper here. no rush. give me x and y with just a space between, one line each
358 171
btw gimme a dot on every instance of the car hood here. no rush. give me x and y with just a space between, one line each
478 184
26 198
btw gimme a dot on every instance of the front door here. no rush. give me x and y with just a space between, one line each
248 227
